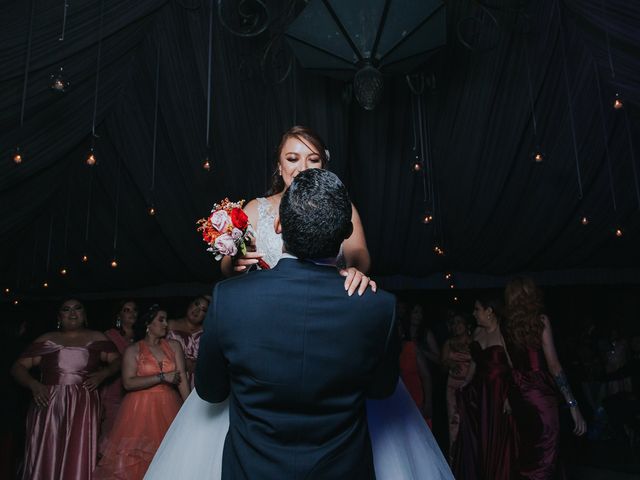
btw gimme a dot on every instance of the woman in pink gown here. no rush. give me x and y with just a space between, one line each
151 370
63 419
112 391
533 395
188 330
456 359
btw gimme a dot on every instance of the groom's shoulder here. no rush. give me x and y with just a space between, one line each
240 281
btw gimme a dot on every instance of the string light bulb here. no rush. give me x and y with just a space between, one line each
114 263
59 83
448 276
151 211
618 232
206 164
45 285
16 302
417 166
438 251
427 218
85 258
63 271
617 102
7 291
584 220
537 156
455 299
17 156
91 158
452 286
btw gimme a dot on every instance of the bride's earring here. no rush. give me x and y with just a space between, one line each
118 322
58 325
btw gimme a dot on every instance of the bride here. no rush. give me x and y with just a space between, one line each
403 446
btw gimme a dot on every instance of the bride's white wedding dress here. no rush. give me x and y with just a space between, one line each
403 446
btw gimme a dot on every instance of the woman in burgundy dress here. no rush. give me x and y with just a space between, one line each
63 419
113 392
533 396
484 448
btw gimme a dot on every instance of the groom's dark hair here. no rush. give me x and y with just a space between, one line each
315 215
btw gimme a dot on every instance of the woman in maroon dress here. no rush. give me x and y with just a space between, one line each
62 423
113 392
484 448
533 396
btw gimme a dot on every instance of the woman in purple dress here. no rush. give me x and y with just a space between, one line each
112 391
63 419
484 448
537 377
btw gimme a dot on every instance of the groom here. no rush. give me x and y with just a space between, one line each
297 354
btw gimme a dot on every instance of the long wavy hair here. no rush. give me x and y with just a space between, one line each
524 305
307 136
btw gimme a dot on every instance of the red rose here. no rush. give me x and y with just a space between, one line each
239 218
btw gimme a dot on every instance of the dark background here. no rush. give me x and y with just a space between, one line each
496 212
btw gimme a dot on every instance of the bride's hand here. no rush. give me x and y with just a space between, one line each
356 280
241 263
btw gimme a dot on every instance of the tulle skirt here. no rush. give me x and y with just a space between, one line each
403 446
141 424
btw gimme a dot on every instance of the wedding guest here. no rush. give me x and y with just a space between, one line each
428 347
300 148
113 392
456 359
187 331
534 397
63 419
153 372
484 448
413 365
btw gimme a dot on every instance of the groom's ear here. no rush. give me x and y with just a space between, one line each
277 225
349 231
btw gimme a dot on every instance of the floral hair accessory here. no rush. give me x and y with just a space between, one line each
227 230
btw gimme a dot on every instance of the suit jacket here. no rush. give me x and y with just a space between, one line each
299 357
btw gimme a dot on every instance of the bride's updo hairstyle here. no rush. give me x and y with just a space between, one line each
315 215
307 136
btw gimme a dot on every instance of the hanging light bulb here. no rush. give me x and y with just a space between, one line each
91 158
448 276
17 156
427 218
63 271
537 156
58 82
417 166
7 291
151 210
16 302
206 164
584 220
455 299
114 263
45 285
438 250
617 102
452 286
85 258
618 232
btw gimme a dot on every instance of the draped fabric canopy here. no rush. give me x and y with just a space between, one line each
466 116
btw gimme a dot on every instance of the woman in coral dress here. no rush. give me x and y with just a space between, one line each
113 392
485 447
63 419
151 370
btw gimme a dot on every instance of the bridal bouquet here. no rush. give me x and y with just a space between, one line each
227 230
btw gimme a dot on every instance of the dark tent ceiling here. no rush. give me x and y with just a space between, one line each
468 118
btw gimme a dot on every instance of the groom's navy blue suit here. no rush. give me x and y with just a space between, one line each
299 357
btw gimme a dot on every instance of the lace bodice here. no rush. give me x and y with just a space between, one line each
267 240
